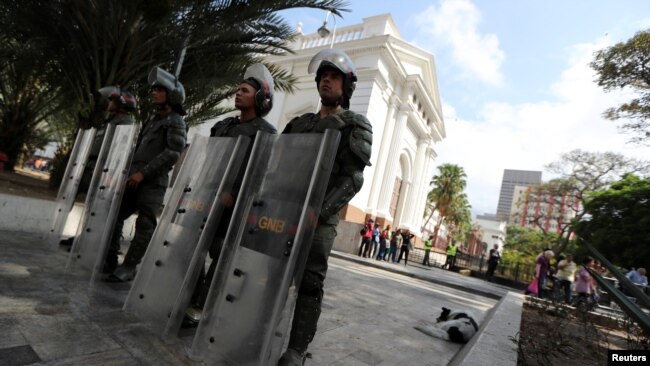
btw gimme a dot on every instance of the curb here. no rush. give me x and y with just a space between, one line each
494 343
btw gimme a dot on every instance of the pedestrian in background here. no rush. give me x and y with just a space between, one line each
382 245
366 237
493 262
566 269
542 270
374 243
406 247
428 244
450 263
395 242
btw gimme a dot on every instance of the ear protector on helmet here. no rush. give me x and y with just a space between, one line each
263 98
124 99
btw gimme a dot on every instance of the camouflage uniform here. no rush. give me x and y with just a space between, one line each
159 146
345 181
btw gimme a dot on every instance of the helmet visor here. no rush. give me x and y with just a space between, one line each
107 91
262 75
336 57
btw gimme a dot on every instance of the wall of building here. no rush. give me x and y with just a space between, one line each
494 232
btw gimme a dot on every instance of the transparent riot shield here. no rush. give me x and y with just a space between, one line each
264 253
69 185
102 204
195 209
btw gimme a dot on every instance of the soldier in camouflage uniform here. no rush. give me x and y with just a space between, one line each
335 79
254 100
119 103
160 143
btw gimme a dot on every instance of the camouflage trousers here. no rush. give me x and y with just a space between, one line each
310 294
146 200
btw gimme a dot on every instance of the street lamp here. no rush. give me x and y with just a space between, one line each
323 31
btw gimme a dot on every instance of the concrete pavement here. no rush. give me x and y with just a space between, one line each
369 312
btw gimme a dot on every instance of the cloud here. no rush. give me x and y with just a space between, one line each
454 24
527 136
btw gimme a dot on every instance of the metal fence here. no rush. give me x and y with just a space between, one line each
517 272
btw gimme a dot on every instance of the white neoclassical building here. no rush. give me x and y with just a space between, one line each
398 92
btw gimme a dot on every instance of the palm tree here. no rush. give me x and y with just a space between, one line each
98 43
25 101
90 44
459 219
447 191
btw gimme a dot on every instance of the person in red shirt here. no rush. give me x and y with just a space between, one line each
366 238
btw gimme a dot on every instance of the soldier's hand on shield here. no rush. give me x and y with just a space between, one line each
134 180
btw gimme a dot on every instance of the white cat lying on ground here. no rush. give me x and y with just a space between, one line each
454 326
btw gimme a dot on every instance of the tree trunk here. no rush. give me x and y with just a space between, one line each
563 242
433 210
12 141
435 233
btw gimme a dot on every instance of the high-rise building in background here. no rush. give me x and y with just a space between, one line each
539 208
512 178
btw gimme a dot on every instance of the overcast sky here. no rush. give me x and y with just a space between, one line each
514 78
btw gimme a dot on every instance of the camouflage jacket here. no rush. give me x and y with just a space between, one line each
160 143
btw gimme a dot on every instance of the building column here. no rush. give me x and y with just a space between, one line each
416 185
425 187
388 181
401 206
380 168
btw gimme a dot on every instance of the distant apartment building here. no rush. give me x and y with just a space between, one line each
512 178
535 207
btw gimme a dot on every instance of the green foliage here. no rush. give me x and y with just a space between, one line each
625 66
25 101
78 46
448 186
448 198
523 244
99 43
618 224
581 173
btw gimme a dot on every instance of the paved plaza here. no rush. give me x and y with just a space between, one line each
369 312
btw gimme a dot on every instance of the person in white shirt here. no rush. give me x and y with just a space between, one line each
566 270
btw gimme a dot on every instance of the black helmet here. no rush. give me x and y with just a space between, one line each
335 59
124 98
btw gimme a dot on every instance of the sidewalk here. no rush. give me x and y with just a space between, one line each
434 275
368 315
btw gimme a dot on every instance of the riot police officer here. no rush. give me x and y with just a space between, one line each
160 143
335 79
254 100
119 103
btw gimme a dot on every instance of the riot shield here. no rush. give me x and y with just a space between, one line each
264 253
180 243
102 204
69 185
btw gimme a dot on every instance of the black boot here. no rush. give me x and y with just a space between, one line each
292 358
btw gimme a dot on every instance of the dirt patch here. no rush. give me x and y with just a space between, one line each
27 183
551 337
